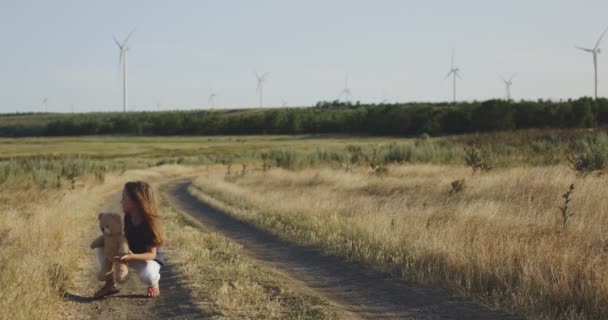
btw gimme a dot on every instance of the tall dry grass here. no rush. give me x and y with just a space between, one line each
498 239
42 233
225 282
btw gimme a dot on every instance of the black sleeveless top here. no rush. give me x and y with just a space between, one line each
140 237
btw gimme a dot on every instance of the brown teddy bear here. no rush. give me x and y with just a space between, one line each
114 243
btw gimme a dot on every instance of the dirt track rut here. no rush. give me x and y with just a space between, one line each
356 290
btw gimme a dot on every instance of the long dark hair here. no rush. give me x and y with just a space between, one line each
141 193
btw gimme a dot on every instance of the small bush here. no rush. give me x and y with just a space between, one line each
593 155
476 159
282 158
376 162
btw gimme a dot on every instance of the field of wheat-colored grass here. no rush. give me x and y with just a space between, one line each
42 233
499 239
218 271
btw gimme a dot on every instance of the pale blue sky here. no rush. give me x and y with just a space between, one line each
401 50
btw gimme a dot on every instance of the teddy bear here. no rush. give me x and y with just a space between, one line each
113 243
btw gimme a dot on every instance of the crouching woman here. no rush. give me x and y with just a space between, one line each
144 234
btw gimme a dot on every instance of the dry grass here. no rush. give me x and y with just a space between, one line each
216 269
498 240
44 237
42 233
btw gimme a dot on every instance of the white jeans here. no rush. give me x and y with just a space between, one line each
149 270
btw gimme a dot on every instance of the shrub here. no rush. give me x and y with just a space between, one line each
593 157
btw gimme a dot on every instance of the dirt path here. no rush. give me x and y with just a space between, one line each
175 301
357 290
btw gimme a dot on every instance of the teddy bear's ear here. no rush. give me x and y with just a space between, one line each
100 215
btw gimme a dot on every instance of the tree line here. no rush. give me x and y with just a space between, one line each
401 119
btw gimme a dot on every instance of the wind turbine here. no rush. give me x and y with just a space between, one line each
44 103
124 48
454 72
508 84
595 51
346 91
261 79
212 97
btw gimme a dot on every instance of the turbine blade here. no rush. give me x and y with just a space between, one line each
584 49
458 75
452 63
597 44
503 78
116 41
449 74
128 36
512 77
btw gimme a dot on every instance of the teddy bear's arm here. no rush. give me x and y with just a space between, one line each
97 243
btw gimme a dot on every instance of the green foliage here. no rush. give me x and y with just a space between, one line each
49 172
403 119
375 161
590 154
476 159
283 158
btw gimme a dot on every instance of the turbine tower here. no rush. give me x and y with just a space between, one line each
261 79
595 51
124 48
508 84
346 91
454 72
212 97
45 104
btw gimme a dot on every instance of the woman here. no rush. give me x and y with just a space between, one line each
144 235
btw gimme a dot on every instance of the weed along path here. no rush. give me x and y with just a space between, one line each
356 290
175 301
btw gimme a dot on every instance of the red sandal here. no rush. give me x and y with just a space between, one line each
153 292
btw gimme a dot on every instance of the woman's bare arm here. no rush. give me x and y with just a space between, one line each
148 255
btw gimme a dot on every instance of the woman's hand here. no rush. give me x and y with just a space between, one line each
124 258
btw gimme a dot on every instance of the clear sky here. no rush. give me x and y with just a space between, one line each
394 50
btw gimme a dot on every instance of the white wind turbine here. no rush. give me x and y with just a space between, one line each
124 48
45 104
595 51
346 91
261 79
212 97
454 72
508 84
